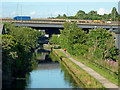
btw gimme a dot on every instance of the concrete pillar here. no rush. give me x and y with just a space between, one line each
118 40
1 54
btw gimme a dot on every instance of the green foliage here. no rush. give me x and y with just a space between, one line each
13 56
98 53
71 37
8 44
113 53
62 17
92 15
17 44
54 39
25 36
80 74
98 45
80 14
53 57
80 49
114 14
102 43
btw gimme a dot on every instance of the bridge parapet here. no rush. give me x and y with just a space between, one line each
59 21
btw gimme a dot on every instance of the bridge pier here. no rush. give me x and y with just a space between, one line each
1 28
117 36
118 40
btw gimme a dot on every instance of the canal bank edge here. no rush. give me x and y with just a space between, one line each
101 79
78 74
79 83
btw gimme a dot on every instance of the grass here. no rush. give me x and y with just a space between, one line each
102 72
61 53
47 46
81 74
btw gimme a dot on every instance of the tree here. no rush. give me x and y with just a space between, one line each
92 13
114 14
72 37
102 43
58 16
54 39
80 14
64 16
105 17
24 35
17 48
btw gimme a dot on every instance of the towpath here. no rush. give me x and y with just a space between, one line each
101 79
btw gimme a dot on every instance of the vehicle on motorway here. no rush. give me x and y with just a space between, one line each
37 20
108 21
98 21
26 18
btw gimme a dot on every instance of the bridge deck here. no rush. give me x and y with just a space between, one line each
58 23
54 22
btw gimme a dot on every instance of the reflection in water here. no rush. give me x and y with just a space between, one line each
11 83
67 77
48 66
47 78
48 74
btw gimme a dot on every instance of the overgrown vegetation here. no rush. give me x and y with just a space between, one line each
96 46
18 45
81 75
54 39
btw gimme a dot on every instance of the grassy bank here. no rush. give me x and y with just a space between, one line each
80 74
108 75
98 69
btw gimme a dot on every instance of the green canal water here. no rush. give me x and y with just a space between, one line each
48 74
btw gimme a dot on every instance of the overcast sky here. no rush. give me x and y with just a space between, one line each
48 8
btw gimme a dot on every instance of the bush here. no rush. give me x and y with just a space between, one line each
18 45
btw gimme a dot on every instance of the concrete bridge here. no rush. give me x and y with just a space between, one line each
114 26
58 23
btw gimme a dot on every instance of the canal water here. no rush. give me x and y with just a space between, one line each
49 74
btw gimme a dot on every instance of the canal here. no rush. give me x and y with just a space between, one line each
49 73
